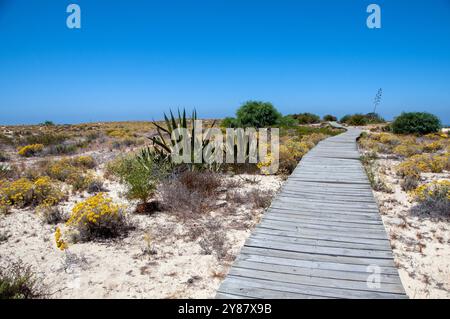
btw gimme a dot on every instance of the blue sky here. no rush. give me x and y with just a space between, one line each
133 60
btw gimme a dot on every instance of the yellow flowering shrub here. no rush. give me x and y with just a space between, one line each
403 145
408 168
117 133
424 163
46 193
84 161
293 149
31 150
434 146
23 192
432 189
17 193
5 206
60 243
313 138
73 171
436 136
97 217
369 144
407 149
433 198
288 162
265 164
387 138
62 169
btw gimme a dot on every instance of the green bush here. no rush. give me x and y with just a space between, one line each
229 122
140 175
374 118
345 118
362 119
288 121
306 118
416 123
357 120
329 118
48 123
17 281
257 114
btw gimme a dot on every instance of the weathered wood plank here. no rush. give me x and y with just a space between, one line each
321 273
287 277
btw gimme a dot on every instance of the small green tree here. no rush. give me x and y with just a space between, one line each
374 118
307 118
229 122
257 114
357 120
329 118
48 123
416 123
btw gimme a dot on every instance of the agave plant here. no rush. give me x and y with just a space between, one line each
163 144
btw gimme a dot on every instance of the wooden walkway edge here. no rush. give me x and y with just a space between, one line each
322 237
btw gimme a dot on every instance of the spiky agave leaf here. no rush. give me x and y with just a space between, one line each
165 147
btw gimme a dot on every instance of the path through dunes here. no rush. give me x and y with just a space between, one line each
322 237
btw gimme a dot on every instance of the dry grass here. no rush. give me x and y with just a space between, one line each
190 194
18 281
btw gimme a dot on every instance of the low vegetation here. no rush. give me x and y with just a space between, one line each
433 198
190 194
3 157
18 281
424 163
330 118
362 119
73 171
306 118
377 181
417 154
31 150
141 175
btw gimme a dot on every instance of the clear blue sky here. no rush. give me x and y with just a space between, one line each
133 60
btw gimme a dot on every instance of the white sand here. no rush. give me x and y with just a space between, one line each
120 269
421 246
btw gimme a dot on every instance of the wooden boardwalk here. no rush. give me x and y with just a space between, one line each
322 237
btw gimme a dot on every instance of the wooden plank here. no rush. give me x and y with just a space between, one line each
318 257
276 266
289 277
265 288
325 236
306 215
314 249
308 229
324 212
282 236
254 289
298 220
313 264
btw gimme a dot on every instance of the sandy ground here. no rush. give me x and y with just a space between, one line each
421 244
160 258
